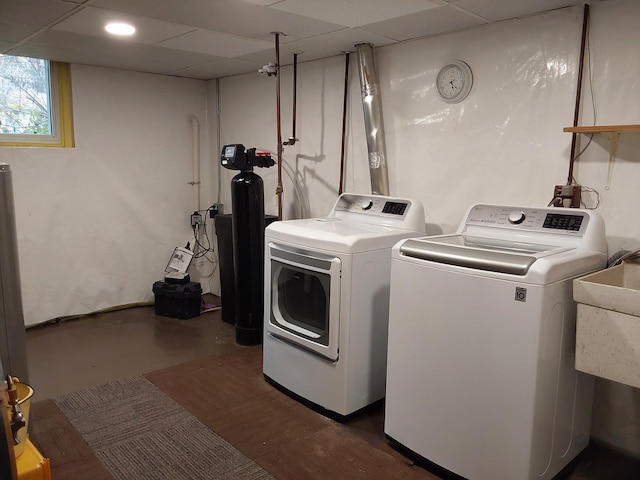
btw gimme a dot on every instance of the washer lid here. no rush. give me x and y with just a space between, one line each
489 254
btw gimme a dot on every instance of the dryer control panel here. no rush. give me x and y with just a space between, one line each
397 212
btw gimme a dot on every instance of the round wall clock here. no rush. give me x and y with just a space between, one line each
454 81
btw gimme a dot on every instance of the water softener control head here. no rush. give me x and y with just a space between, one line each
234 157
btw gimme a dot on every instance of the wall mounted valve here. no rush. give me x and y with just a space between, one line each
567 196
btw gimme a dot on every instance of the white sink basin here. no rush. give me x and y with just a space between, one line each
608 324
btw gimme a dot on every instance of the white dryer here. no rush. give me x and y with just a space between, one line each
480 377
327 300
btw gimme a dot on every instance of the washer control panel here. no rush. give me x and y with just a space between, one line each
560 220
517 217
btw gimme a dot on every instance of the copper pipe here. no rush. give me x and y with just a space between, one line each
344 121
279 160
293 138
585 26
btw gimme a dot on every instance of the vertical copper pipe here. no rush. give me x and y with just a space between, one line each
279 188
293 138
344 121
585 26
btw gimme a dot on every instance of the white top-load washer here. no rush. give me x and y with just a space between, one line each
327 300
480 377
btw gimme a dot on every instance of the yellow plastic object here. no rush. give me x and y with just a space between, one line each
31 465
25 392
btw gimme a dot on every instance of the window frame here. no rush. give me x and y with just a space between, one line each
61 112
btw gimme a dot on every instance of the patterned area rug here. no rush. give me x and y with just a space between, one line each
138 432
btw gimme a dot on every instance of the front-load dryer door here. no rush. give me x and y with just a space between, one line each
304 299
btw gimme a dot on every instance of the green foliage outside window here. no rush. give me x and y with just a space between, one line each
25 102
35 103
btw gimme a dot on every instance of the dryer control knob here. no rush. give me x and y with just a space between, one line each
367 204
516 217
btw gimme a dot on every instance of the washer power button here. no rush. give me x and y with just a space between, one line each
516 217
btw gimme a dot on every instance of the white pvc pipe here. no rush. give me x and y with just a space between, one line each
195 161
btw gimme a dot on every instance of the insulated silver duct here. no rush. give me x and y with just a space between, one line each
372 106
13 349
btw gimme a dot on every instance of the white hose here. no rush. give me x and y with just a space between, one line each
613 261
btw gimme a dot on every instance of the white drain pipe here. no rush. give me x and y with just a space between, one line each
372 106
195 161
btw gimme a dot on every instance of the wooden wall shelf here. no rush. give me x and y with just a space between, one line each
611 131
604 129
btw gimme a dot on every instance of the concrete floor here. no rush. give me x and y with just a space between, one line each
97 349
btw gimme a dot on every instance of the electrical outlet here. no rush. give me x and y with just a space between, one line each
567 196
196 219
216 209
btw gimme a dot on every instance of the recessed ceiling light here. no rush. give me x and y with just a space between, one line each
119 28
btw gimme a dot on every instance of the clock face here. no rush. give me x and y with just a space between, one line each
454 81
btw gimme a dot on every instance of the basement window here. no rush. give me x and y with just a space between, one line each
35 103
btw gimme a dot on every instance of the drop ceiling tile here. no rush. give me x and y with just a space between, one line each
216 43
496 10
91 21
423 24
353 13
284 38
15 32
263 2
286 56
223 68
338 42
136 61
229 16
80 48
196 34
33 12
76 57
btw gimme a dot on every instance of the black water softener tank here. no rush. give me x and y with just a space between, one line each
247 203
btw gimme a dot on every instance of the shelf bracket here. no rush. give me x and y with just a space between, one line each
613 150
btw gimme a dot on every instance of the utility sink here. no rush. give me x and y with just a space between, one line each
608 323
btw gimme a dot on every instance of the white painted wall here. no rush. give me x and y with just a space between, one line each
523 94
504 144
97 223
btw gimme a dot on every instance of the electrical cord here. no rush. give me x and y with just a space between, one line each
591 190
115 308
203 249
